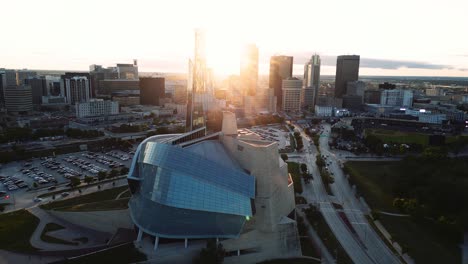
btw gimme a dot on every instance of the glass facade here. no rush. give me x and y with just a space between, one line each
179 193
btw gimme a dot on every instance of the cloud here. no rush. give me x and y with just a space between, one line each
302 58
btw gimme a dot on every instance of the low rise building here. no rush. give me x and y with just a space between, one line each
96 107
228 186
323 110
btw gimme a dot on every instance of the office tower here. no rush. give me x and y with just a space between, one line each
75 87
152 90
18 99
311 81
127 71
347 69
22 75
249 69
180 94
38 87
2 89
397 97
9 77
196 86
292 89
372 96
281 68
104 81
353 99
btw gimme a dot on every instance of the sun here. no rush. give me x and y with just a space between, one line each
223 51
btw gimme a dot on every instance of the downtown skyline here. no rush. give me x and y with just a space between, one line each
421 38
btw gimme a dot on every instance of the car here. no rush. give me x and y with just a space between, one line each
52 188
37 200
65 194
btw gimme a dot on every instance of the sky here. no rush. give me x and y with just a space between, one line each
399 37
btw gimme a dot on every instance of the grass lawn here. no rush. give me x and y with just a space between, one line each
374 181
119 204
291 261
105 195
49 239
388 136
119 255
16 229
422 245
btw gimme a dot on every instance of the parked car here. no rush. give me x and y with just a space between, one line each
65 194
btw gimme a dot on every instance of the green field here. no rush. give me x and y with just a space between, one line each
16 229
100 196
374 181
119 255
107 205
391 136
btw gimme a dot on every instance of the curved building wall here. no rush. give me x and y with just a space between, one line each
180 194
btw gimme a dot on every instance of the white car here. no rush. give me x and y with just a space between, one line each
37 200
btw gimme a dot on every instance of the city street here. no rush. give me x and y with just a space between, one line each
362 244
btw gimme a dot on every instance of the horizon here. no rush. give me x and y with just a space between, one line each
388 47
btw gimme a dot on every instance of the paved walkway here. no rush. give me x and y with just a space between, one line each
94 238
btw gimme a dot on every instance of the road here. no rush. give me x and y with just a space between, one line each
353 208
360 241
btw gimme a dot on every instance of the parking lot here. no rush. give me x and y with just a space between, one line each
47 172
273 133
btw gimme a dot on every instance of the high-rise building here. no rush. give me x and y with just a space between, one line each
75 87
354 97
281 68
264 101
7 79
197 93
18 99
127 71
372 96
121 75
311 81
249 70
347 69
180 94
22 75
397 97
152 90
39 88
292 89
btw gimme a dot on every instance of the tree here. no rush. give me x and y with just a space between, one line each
88 179
212 254
113 173
74 181
284 157
124 170
35 185
102 175
303 167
